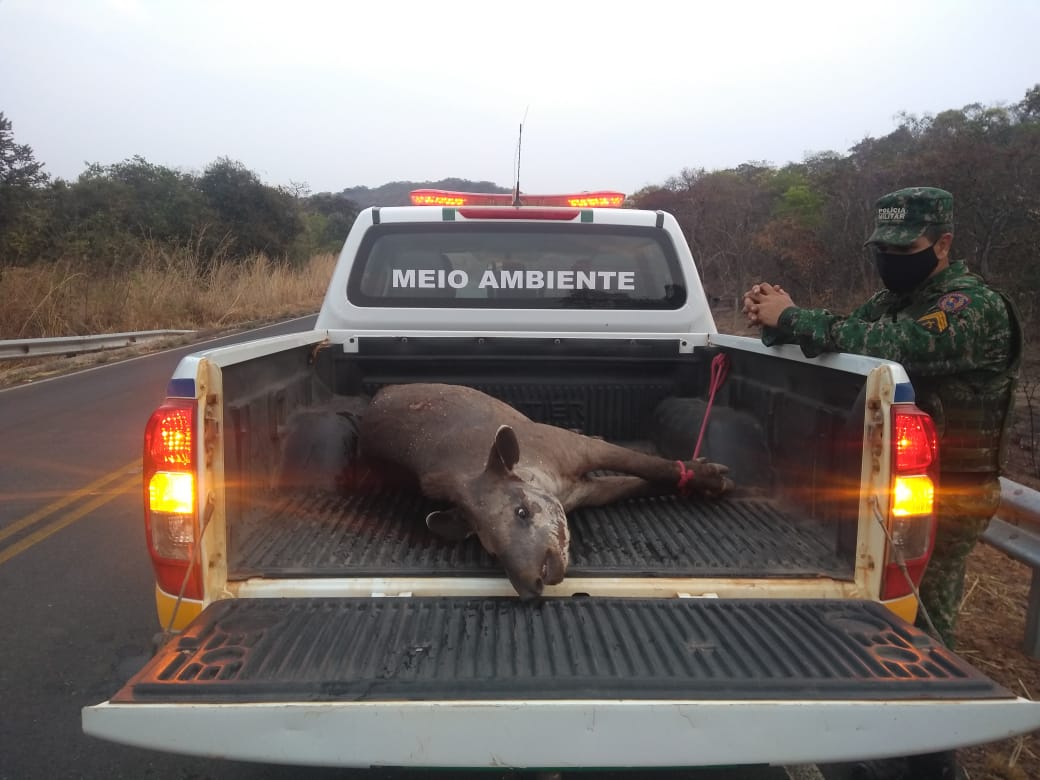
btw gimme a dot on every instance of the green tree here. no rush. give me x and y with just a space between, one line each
335 213
21 180
112 214
1029 107
255 216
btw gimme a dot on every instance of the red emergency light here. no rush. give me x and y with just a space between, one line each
583 200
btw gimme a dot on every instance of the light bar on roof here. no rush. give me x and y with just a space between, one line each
600 199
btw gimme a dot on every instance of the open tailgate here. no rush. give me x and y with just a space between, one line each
576 682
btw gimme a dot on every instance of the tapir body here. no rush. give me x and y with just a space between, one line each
509 479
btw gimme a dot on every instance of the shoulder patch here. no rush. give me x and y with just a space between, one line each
935 321
951 303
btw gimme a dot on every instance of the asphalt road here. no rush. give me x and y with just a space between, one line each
76 584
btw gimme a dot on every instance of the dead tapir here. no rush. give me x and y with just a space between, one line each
510 480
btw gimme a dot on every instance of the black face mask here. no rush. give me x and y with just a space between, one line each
903 273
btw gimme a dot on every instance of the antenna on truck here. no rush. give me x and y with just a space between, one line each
516 173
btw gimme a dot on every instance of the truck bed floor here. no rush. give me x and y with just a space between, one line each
322 534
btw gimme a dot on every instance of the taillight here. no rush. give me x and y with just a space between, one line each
911 523
171 497
915 441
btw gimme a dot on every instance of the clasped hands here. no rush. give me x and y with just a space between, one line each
764 303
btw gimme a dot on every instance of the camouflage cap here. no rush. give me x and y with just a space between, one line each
904 215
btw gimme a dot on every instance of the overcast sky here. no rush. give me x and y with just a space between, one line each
616 94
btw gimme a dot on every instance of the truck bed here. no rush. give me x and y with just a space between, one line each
794 448
323 534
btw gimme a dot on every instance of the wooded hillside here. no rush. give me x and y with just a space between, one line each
804 224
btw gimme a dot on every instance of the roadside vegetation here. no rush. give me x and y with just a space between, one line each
164 289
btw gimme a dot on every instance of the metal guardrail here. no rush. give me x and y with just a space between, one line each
1015 531
1019 505
68 345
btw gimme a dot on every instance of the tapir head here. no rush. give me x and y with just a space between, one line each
523 526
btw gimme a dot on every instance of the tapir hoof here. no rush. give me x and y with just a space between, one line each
703 478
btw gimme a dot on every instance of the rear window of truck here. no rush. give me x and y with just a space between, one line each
517 265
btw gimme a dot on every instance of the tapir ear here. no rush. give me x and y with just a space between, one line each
449 524
505 451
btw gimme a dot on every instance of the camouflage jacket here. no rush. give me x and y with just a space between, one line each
957 338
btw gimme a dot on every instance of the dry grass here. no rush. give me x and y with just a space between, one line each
166 289
990 635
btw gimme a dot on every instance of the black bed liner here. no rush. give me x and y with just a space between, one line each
383 534
387 649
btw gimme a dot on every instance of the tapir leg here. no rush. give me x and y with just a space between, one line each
604 455
598 491
687 477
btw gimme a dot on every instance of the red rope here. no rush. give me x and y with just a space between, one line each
719 369
685 475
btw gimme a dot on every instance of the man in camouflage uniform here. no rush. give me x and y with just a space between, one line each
960 343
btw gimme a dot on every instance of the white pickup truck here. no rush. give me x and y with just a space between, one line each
312 618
